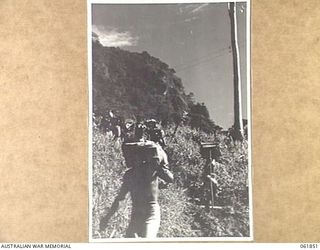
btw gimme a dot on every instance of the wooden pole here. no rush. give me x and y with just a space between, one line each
238 124
211 184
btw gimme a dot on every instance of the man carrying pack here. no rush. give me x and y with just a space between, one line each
142 182
154 132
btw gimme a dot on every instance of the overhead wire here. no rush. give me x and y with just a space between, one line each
200 61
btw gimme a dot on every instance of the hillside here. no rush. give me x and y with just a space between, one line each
140 86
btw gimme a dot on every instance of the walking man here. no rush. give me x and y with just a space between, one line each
142 182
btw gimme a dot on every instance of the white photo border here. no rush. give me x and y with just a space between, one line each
249 115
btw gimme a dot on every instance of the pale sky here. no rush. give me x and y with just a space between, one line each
193 39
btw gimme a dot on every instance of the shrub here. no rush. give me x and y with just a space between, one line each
181 212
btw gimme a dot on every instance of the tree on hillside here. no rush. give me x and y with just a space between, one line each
140 85
200 119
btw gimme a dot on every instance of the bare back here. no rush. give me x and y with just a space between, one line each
142 181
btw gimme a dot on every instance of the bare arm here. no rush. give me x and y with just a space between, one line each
115 205
165 174
114 208
163 170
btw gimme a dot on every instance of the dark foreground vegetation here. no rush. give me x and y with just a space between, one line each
182 213
139 86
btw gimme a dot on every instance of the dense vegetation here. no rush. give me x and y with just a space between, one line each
182 215
139 86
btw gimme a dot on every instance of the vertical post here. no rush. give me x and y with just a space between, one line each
238 124
211 184
208 152
207 180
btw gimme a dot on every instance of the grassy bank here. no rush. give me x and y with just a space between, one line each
182 213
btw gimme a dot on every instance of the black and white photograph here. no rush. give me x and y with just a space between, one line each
169 121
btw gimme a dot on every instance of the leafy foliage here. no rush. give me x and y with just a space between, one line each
140 86
181 213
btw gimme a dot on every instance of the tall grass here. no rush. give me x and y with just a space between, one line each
181 213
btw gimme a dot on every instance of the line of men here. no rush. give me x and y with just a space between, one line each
128 130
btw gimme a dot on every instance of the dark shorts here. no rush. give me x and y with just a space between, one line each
145 221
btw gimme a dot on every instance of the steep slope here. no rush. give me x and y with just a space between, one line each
140 86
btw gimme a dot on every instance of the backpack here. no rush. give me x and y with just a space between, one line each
138 153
